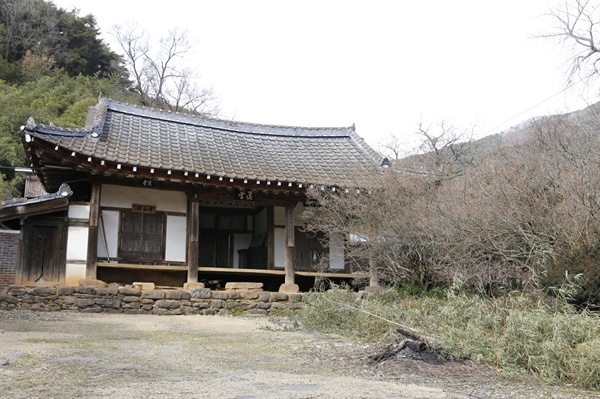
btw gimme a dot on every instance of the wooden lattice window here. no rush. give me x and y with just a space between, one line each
142 237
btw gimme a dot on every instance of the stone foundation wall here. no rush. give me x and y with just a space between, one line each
135 300
9 252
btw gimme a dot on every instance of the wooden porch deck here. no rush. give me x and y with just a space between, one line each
228 270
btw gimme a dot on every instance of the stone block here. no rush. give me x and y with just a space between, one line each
201 305
289 288
264 296
130 305
153 294
148 302
247 305
92 283
232 305
8 299
201 293
263 305
249 294
42 291
234 295
177 294
278 297
191 286
108 302
188 310
84 302
129 291
217 303
144 286
85 290
107 290
62 290
168 304
16 290
130 299
220 295
243 286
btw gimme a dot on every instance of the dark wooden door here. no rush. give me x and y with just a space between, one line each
45 253
215 249
142 237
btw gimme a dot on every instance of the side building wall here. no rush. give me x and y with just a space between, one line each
9 255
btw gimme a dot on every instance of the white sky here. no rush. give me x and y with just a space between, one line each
383 65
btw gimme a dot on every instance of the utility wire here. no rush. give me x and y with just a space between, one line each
570 85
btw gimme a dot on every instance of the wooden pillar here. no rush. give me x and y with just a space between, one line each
270 237
193 234
92 244
289 241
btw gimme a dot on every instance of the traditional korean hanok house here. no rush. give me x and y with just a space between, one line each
172 198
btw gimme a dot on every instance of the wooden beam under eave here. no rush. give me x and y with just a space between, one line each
92 245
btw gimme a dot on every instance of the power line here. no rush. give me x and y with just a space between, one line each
570 85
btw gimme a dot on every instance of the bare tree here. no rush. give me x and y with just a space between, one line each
578 25
159 77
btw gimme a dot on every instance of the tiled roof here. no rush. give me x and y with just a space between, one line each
150 138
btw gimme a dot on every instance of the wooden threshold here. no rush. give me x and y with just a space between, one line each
229 270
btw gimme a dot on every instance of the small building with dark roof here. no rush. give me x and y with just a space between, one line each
174 198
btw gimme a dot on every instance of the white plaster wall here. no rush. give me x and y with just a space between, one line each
279 247
124 197
77 241
176 238
240 241
111 224
79 211
336 252
74 273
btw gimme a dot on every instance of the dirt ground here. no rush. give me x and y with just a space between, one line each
74 355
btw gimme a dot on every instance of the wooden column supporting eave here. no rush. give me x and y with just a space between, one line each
289 247
193 233
92 244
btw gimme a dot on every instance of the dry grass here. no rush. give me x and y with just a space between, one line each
517 334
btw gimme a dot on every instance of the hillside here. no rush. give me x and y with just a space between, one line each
460 153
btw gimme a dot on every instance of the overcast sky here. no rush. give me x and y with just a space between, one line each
382 65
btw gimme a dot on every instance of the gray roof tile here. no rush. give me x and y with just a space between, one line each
147 137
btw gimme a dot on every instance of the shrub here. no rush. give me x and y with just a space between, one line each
519 334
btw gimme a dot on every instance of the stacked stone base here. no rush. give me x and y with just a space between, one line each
105 298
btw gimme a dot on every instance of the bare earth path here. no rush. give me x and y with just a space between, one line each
72 355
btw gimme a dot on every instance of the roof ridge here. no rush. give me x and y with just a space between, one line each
210 119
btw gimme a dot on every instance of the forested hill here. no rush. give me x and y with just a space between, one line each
54 65
454 150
